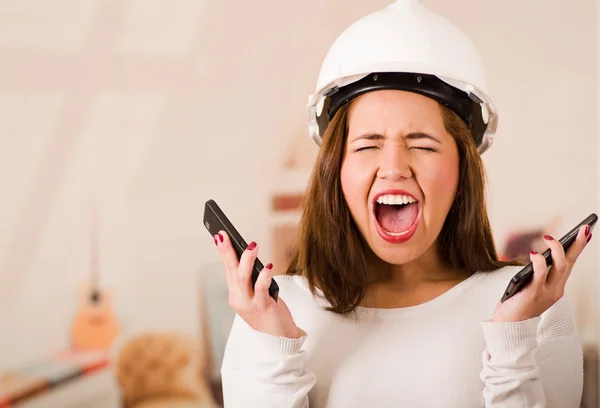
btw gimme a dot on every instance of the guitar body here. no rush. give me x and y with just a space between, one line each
95 326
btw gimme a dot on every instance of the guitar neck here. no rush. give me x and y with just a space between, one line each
94 266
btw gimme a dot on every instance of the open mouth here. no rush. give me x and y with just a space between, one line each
397 216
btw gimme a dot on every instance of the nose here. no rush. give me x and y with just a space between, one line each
394 165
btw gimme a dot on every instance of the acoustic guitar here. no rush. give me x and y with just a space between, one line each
95 326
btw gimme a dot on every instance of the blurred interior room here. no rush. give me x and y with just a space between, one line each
120 119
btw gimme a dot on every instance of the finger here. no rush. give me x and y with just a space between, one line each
225 268
580 242
244 270
583 236
229 258
226 250
540 270
559 262
261 288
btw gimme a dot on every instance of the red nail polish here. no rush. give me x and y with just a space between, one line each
220 237
269 266
587 230
548 237
252 246
589 237
216 242
533 253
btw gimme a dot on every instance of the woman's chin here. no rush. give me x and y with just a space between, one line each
396 255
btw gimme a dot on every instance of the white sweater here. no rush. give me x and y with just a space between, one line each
442 353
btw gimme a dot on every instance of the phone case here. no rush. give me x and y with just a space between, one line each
215 221
524 276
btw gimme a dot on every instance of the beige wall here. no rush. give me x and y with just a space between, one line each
542 63
598 146
152 107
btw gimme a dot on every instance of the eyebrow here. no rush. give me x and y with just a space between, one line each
410 136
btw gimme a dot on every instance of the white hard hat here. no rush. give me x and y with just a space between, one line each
405 46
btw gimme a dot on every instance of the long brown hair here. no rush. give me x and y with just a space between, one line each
330 252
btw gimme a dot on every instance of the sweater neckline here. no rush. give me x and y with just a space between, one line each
434 303
363 311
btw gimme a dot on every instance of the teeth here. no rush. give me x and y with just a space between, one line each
392 199
396 234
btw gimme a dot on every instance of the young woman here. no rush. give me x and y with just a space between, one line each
392 296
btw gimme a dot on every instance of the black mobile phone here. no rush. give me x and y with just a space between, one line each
215 221
524 276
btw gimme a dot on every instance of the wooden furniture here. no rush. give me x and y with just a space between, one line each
70 378
591 377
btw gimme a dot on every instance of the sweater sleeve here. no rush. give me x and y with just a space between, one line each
260 370
537 363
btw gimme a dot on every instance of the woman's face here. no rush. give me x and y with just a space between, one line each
399 173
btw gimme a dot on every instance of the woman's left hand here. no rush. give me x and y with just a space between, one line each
546 288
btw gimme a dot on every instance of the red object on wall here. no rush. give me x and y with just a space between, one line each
286 202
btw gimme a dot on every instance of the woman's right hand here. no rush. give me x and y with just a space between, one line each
258 309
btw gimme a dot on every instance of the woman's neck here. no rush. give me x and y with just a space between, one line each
412 283
426 268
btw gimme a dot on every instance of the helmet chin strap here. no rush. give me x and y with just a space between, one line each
466 106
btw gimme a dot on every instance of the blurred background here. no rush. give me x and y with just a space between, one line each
119 119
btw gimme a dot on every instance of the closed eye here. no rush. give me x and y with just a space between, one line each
365 148
428 149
